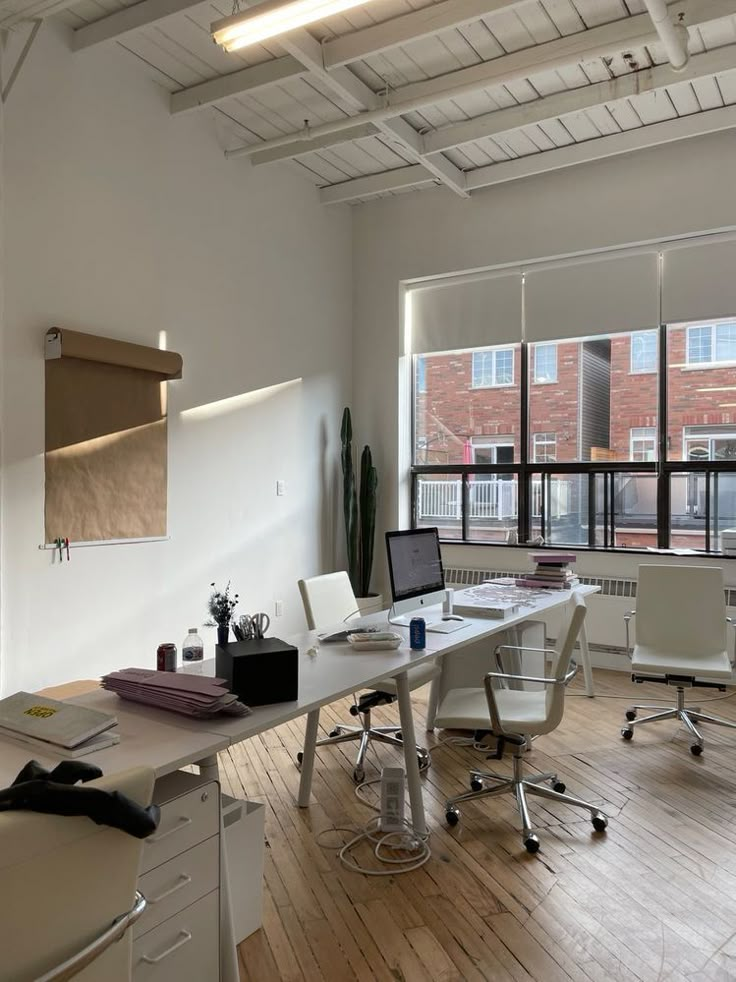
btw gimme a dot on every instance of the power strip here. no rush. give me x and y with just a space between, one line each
392 800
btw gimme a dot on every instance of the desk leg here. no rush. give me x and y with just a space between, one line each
310 744
410 754
208 768
587 668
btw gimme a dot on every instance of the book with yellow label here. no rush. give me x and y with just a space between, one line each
62 724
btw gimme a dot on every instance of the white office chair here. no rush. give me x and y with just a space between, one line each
511 715
680 641
329 600
69 892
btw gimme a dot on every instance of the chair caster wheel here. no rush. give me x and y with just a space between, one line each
531 843
630 714
696 749
453 816
359 775
334 733
627 733
559 787
424 761
600 822
399 735
476 784
299 758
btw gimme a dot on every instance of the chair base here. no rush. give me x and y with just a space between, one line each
688 716
364 734
520 786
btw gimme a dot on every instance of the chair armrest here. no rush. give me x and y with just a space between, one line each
627 617
72 966
496 724
730 620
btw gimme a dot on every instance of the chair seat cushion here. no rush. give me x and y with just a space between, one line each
662 662
467 709
417 676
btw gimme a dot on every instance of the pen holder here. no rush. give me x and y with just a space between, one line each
260 671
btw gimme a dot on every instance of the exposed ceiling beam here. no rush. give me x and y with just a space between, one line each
550 56
302 46
412 176
686 127
410 27
243 81
538 111
114 26
357 132
576 100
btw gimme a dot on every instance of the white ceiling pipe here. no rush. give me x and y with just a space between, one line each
673 36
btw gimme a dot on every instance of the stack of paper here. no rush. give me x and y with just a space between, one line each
53 727
192 695
552 571
483 601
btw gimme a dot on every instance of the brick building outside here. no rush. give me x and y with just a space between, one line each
588 400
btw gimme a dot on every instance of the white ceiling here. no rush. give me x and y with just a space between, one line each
513 88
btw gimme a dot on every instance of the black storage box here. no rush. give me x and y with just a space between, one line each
259 671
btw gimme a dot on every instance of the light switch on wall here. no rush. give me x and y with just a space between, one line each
278 608
280 488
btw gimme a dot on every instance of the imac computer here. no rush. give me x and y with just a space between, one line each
417 577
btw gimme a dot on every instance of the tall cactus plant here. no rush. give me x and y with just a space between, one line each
359 507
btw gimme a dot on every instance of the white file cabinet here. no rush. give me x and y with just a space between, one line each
178 937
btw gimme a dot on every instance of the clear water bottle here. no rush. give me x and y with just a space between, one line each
193 647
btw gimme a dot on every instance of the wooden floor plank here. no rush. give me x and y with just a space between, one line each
654 899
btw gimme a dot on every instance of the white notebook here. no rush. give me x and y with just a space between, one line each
62 723
99 742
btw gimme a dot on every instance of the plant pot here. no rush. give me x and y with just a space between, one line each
223 633
372 604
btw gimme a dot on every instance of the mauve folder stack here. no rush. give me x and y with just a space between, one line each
192 695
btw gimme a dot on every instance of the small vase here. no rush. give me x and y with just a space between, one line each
223 633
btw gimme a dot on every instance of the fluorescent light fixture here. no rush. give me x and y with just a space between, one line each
274 17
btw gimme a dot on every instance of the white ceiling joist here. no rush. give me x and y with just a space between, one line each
245 80
302 46
539 111
410 27
357 132
550 56
361 187
122 22
698 124
575 100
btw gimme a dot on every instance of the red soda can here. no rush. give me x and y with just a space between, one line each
166 657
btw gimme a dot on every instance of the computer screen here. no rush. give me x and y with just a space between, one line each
414 563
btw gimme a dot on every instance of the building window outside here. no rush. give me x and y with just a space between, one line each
643 353
711 343
544 446
545 362
643 442
493 368
709 443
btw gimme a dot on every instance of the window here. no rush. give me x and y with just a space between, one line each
643 353
544 447
545 362
711 343
589 473
420 373
643 441
709 443
492 368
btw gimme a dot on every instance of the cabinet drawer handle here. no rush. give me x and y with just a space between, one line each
181 823
184 938
183 881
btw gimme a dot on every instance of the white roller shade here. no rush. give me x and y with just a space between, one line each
469 313
602 296
699 282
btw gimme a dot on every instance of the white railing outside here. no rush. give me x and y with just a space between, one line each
497 499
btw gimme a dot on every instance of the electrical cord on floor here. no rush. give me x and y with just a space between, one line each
407 841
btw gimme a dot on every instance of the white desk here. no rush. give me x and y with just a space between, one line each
166 741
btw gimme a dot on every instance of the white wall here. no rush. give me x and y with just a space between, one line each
123 221
665 192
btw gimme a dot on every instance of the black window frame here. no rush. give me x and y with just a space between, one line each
525 469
